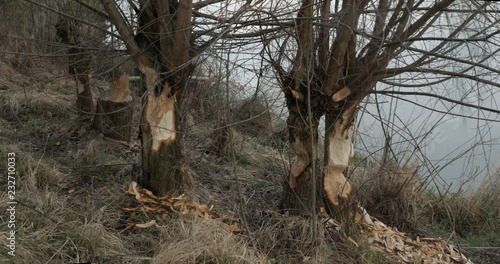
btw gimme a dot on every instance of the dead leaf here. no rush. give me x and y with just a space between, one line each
146 225
148 202
232 228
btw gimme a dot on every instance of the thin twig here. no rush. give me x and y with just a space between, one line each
39 212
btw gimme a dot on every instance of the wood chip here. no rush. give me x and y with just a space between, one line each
146 225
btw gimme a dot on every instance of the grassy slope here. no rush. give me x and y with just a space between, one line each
72 199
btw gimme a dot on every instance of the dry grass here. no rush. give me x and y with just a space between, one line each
473 210
393 195
471 218
253 116
290 240
286 239
71 209
48 223
204 241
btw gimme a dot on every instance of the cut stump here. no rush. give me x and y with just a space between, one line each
114 111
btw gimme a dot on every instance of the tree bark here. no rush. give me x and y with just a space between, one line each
160 46
221 136
162 154
79 66
84 98
303 140
114 111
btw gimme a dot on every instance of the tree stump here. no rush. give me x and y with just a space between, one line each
115 110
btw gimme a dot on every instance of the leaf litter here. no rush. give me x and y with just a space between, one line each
163 206
381 237
391 241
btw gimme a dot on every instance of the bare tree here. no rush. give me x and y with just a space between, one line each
338 58
165 39
164 48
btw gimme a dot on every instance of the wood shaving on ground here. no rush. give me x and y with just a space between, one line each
148 202
397 244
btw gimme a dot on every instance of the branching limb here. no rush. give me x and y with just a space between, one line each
438 97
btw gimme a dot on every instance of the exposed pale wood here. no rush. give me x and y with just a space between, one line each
159 114
134 78
162 155
339 153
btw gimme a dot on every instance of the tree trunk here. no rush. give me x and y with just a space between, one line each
162 154
299 186
114 111
79 66
161 45
84 99
338 155
221 136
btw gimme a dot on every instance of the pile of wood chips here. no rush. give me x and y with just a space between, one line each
148 202
398 245
380 237
422 250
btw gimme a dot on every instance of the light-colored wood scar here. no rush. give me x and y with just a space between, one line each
340 151
160 114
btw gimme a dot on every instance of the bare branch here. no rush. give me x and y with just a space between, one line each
125 32
229 24
390 93
339 46
438 7
202 4
438 97
72 17
93 9
391 72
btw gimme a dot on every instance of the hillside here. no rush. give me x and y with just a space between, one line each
75 202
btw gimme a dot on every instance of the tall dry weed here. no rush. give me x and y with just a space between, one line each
473 210
392 194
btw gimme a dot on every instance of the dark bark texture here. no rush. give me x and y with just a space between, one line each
162 54
303 139
114 111
79 66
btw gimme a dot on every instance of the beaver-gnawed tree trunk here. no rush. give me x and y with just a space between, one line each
79 66
303 140
161 52
305 109
335 76
338 155
162 49
162 154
